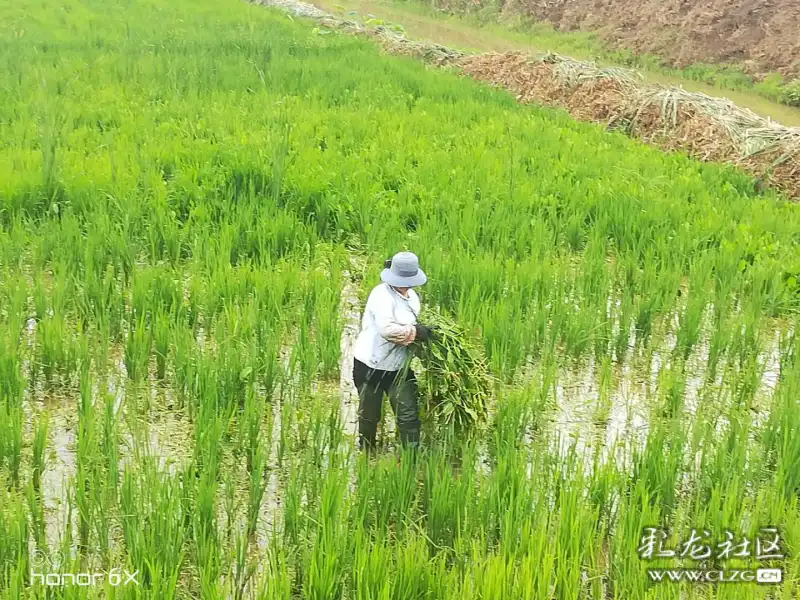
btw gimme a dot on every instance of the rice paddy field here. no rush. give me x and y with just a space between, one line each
195 199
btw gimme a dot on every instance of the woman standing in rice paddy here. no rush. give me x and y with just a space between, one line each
388 326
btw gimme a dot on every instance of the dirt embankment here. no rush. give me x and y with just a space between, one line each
760 35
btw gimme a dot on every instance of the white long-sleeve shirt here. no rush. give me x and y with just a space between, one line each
387 327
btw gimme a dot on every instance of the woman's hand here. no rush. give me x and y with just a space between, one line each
424 334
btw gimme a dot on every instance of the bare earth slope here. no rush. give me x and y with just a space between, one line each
763 35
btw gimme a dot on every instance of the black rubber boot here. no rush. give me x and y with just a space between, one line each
370 398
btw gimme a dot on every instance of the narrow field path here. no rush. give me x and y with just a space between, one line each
455 32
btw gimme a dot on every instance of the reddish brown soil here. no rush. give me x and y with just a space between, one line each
760 35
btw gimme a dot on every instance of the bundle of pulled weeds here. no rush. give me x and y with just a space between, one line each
707 128
454 378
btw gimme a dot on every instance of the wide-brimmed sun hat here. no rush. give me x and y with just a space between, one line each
404 271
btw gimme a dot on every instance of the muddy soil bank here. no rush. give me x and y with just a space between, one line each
759 35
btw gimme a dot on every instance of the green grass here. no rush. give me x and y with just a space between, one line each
182 187
582 44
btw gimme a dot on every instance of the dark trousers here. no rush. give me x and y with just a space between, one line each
401 388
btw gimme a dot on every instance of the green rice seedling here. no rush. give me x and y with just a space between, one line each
604 384
603 492
292 526
658 464
624 320
371 561
101 352
256 450
455 379
671 387
277 584
230 503
105 476
637 511
102 498
109 444
40 303
746 383
386 494
579 330
11 440
12 381
85 460
747 338
205 532
401 485
287 421
324 563
195 293
36 512
52 338
137 350
235 360
411 579
12 386
154 289
327 325
303 358
780 439
61 288
689 324
513 418
718 342
243 569
496 576
184 351
152 519
14 569
100 299
503 352
38 447
362 510
16 312
507 498
576 528
161 342
268 365
547 375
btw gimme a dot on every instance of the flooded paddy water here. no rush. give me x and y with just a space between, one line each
595 413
